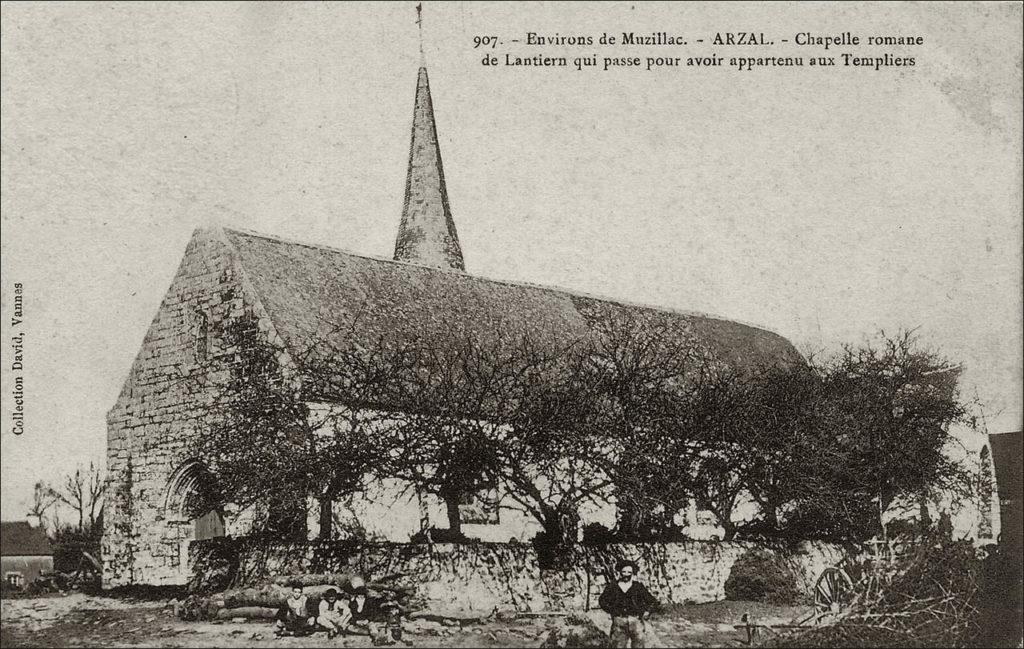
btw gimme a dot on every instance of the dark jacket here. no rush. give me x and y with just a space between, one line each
371 610
636 601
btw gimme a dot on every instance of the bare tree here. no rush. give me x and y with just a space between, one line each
552 459
779 436
644 369
719 455
428 397
43 500
467 409
266 442
470 410
884 418
83 492
636 410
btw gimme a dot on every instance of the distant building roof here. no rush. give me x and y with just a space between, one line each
19 539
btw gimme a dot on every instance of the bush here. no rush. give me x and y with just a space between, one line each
551 555
215 566
763 576
854 522
327 554
440 535
598 534
68 545
145 592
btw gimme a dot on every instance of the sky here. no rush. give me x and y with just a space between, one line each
823 204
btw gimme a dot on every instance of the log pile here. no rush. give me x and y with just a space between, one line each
340 579
247 613
263 600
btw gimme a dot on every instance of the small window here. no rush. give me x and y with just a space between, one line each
200 336
14 579
480 507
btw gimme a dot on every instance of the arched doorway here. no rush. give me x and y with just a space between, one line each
192 508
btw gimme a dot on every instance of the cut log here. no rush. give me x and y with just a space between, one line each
247 612
341 580
275 595
386 578
449 618
268 595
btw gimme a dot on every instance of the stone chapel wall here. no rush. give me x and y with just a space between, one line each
145 542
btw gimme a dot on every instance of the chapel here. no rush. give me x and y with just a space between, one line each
297 292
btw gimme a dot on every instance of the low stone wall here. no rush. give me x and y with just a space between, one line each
697 571
484 576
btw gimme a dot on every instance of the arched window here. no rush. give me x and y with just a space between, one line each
986 485
200 336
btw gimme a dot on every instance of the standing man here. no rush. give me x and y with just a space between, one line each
630 604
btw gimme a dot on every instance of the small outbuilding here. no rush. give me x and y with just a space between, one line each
26 553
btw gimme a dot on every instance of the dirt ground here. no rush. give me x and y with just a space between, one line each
79 620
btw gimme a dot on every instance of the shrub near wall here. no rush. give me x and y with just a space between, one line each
484 576
763 576
214 564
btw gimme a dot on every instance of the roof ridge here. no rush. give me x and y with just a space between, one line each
507 282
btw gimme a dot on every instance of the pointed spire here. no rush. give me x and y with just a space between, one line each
426 234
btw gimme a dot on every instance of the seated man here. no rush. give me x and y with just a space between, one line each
293 617
380 618
334 614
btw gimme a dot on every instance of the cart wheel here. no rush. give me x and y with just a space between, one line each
833 591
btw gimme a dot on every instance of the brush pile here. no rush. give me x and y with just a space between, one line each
927 595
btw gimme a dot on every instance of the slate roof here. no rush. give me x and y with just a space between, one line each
426 233
19 539
310 290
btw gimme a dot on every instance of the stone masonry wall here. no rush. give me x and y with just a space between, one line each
160 408
484 576
696 571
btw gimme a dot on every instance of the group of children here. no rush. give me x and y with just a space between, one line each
350 611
